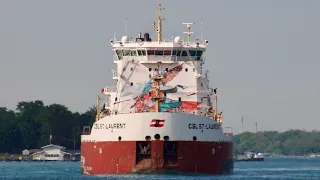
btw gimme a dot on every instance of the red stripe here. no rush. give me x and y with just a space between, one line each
160 120
157 123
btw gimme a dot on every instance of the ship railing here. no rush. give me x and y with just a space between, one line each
86 130
109 89
228 134
181 111
228 131
191 43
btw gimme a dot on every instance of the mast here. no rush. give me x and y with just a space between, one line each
216 104
217 115
242 123
157 81
189 31
201 29
159 22
98 107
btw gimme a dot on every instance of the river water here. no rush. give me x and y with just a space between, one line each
271 168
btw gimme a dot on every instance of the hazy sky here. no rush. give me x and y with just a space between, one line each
263 56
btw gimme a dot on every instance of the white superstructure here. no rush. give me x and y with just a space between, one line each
137 61
159 80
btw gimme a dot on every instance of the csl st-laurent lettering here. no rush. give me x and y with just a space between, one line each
116 126
110 126
204 126
98 126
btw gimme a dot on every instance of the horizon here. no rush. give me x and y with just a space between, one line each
262 56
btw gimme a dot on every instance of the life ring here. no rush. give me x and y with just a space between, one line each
213 151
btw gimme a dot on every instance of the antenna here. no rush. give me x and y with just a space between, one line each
201 30
159 30
189 28
126 26
98 107
242 123
256 124
114 36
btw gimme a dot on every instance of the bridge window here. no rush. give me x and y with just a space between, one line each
167 52
199 54
126 52
150 52
174 52
141 52
119 54
193 53
178 52
184 53
133 53
159 53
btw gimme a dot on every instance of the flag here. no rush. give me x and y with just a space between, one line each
157 123
215 90
154 26
50 136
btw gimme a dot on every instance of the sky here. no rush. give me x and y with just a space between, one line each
263 56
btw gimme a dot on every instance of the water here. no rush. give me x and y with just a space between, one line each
271 168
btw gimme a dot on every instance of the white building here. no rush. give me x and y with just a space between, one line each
52 153
25 152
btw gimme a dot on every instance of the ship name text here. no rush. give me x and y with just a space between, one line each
203 126
110 126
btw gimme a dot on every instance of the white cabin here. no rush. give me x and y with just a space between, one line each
52 153
25 152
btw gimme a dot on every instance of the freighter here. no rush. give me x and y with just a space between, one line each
160 115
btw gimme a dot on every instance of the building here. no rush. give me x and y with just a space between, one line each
25 152
52 153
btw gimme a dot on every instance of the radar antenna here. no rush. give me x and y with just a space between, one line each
189 32
159 30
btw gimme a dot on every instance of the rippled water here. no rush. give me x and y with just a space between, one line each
271 168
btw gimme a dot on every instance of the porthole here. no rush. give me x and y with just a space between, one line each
166 138
148 138
157 136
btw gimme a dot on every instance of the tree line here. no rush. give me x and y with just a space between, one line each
292 142
30 126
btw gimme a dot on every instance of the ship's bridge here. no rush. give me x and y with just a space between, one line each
145 50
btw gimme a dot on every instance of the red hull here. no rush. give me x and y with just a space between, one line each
181 156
